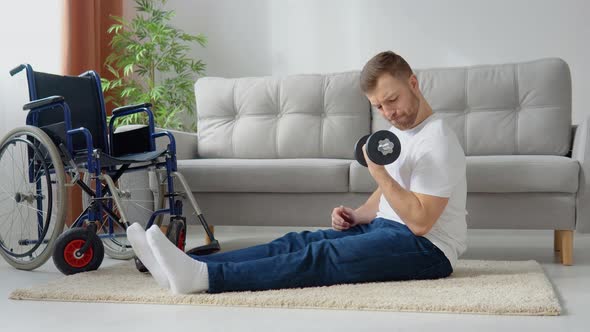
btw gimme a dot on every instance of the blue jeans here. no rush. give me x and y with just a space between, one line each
382 250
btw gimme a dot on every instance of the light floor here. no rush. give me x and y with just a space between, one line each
572 285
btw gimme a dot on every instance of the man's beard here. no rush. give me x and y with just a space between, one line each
408 120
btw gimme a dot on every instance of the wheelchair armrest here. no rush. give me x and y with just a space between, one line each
171 145
121 109
51 104
186 144
128 110
43 102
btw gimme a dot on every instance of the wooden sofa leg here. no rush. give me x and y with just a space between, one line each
564 246
557 240
212 229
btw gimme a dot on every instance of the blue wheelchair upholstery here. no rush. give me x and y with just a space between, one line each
80 92
84 99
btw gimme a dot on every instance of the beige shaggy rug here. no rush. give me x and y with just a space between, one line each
482 287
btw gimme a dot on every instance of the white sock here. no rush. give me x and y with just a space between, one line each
137 237
185 274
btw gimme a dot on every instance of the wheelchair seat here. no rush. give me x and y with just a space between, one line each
107 160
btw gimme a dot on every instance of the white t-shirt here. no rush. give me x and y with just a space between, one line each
432 162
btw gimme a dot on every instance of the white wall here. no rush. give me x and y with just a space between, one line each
238 33
31 33
266 37
279 37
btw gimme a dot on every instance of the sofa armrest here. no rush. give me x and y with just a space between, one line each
581 153
186 144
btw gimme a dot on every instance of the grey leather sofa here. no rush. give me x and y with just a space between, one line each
279 150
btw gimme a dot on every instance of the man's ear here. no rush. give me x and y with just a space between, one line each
413 80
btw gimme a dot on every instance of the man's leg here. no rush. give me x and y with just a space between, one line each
137 238
383 254
187 275
290 242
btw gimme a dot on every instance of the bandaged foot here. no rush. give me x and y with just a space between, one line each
185 274
137 237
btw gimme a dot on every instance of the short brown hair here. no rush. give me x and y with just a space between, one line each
384 62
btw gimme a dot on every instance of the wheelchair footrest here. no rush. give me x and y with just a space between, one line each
207 249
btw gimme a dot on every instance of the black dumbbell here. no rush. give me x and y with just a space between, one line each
383 148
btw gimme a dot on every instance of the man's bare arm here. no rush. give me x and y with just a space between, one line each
418 211
368 211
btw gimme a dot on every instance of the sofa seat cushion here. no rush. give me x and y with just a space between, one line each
501 174
266 175
522 173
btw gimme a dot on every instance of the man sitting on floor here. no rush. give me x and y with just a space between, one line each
412 227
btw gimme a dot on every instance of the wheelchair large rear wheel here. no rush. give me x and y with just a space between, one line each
32 197
140 197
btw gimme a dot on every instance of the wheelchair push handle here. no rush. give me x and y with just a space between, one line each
17 69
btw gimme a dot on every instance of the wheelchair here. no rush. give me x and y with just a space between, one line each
65 143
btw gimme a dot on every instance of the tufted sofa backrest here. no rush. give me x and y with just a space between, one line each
519 108
299 116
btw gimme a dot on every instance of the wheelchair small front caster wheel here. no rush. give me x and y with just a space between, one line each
176 232
68 257
139 265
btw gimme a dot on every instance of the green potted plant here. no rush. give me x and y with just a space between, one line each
150 64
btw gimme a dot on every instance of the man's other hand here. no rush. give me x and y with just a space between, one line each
343 218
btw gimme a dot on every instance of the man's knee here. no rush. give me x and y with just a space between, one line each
290 239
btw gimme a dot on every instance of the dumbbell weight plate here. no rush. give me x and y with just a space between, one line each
383 147
358 150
